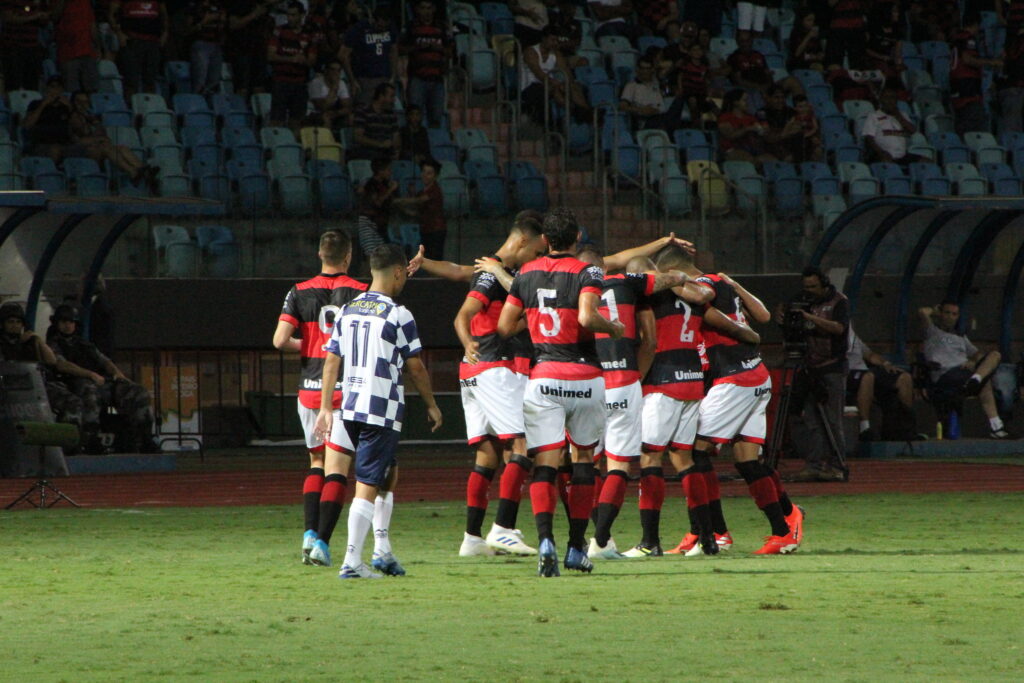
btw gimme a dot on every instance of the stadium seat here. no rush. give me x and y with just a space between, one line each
43 175
333 186
819 178
359 171
723 47
986 149
86 176
967 180
456 196
694 144
807 77
498 17
159 140
210 182
675 192
193 111
475 145
178 254
711 186
827 204
151 111
201 143
110 77
858 180
252 186
179 76
319 143
1003 181
260 104
220 249
749 184
232 111
930 179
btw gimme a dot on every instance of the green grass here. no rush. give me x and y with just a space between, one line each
890 587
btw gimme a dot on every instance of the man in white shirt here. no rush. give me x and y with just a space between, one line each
872 377
886 131
329 96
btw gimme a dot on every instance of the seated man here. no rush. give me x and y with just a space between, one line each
112 388
871 377
886 132
958 369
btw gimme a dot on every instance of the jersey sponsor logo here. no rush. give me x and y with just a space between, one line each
618 405
761 391
565 393
683 375
619 364
312 384
369 306
354 380
750 363
374 38
468 382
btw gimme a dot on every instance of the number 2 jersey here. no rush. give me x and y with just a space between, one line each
312 307
622 296
495 352
677 369
732 361
548 290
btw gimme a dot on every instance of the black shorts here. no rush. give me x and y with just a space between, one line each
885 383
950 385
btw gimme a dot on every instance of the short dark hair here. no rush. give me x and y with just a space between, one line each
381 89
672 257
644 61
387 256
335 245
295 4
949 302
432 164
379 164
528 222
590 248
411 108
815 271
561 229
797 99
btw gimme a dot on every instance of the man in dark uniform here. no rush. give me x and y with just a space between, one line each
113 388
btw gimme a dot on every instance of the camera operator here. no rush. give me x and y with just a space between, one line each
825 315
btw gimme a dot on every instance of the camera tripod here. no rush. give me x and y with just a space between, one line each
43 434
793 367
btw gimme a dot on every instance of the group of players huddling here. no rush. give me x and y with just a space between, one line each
562 364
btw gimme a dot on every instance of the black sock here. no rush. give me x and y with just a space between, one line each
717 517
508 513
311 501
650 520
694 525
475 515
752 471
562 471
606 514
545 525
330 510
593 510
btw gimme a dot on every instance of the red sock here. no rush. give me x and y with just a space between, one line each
314 483
598 487
581 501
543 497
763 491
695 489
563 480
510 486
476 490
712 485
333 492
652 492
613 491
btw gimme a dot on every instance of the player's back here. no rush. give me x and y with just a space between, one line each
731 360
494 351
311 307
677 369
620 298
375 336
548 290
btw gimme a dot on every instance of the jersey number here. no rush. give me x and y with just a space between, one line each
685 334
608 297
328 314
556 322
354 358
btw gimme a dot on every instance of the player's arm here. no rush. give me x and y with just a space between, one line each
670 279
332 366
755 307
619 260
470 307
648 332
926 313
495 268
874 358
283 339
421 380
723 323
590 318
509 320
695 293
445 269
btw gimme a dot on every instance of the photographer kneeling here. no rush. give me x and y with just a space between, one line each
826 320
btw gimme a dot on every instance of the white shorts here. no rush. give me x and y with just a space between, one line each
669 423
340 440
493 404
307 416
730 412
623 407
556 408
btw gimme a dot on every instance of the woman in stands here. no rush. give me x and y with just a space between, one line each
805 47
89 139
741 135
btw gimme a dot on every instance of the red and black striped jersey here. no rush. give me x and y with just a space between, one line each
494 350
288 43
619 301
677 369
141 20
312 306
548 289
732 361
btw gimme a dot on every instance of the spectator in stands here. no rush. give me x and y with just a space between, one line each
90 140
805 46
885 31
784 136
20 49
376 126
46 122
811 149
750 15
250 29
748 69
73 27
323 32
657 14
886 131
106 37
612 16
642 97
429 48
20 344
131 400
208 22
415 143
370 55
531 17
375 199
679 39
429 208
142 28
1010 13
1011 85
290 54
692 85
845 87
539 63
569 31
871 377
965 76
718 68
958 369
741 136
707 14
329 97
846 33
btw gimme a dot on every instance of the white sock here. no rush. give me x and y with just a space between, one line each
976 376
996 423
360 517
382 509
865 425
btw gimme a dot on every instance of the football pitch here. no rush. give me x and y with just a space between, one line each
886 587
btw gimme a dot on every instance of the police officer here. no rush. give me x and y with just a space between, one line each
113 388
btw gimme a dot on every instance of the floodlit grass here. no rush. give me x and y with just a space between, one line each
889 587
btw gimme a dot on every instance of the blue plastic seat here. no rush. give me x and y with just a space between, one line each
233 110
252 185
456 196
788 196
209 180
179 76
192 110
333 186
88 179
820 178
177 252
43 175
220 249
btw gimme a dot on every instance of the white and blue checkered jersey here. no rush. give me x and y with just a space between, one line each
374 336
